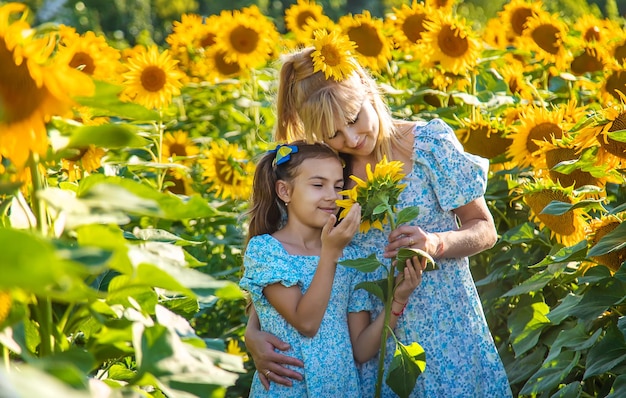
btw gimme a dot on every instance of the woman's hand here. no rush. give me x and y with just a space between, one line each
415 237
269 363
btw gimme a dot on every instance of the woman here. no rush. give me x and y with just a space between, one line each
444 314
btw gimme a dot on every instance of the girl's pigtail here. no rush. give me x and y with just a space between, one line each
265 214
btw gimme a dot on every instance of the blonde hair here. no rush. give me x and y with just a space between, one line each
308 104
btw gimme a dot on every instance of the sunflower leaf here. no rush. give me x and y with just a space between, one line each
407 253
377 288
407 214
557 208
408 363
618 135
610 242
364 264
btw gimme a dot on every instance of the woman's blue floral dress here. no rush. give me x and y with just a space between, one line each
329 367
444 314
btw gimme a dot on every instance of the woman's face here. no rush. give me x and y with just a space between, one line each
357 137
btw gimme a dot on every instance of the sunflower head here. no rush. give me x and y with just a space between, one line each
178 145
567 228
408 24
545 35
378 195
302 13
333 55
450 43
228 170
599 228
372 47
483 137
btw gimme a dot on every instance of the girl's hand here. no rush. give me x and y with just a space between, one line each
338 236
261 346
412 236
409 280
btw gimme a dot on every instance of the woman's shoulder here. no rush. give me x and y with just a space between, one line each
433 129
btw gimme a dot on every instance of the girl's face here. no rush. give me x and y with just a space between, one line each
357 137
312 194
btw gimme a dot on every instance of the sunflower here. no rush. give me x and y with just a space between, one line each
218 67
152 78
5 306
592 28
599 228
33 87
494 34
247 38
558 151
483 137
450 43
515 15
536 125
228 170
373 49
567 228
617 48
590 58
610 152
87 160
178 145
178 182
445 5
613 84
545 35
381 189
308 33
517 80
300 14
407 25
333 55
90 54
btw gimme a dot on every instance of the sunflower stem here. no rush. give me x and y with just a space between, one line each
387 309
160 171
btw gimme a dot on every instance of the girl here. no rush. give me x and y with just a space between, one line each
291 272
445 315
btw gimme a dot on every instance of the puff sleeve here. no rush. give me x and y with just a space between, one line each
264 264
457 177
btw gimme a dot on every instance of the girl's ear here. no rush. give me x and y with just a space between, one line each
283 190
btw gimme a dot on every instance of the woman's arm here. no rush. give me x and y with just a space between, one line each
261 346
365 334
476 233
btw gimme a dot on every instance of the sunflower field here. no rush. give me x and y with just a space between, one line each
125 171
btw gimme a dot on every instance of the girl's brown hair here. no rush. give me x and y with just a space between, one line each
267 212
308 104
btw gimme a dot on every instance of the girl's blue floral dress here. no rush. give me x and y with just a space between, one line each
329 366
444 314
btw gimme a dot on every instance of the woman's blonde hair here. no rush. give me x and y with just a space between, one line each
308 104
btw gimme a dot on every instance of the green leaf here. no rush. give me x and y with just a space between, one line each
107 136
377 288
532 284
406 253
557 208
520 234
520 369
364 264
571 390
551 373
607 354
564 310
578 252
618 387
407 365
599 298
618 135
614 240
381 208
407 214
527 321
106 102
